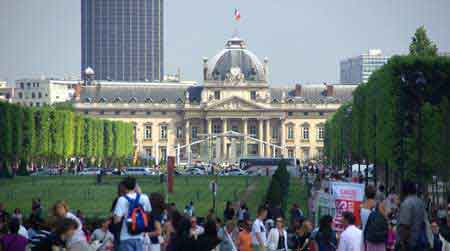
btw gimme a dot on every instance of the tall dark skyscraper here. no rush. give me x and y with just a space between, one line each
123 39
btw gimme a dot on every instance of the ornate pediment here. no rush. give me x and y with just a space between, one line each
234 103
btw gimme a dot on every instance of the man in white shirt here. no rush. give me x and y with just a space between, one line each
129 242
196 229
259 233
351 238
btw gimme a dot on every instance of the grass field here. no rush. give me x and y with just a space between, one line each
95 200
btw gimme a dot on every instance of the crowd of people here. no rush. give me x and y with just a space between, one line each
141 222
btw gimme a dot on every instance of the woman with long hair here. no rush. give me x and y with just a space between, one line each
155 230
277 239
78 240
325 238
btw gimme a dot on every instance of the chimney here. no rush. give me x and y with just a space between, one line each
77 93
330 91
298 90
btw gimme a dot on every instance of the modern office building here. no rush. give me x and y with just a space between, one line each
122 40
40 92
233 113
358 69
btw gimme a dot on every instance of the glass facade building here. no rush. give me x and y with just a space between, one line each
122 40
358 69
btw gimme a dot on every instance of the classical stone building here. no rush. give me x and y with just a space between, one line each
233 113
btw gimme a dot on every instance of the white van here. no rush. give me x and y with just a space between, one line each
138 171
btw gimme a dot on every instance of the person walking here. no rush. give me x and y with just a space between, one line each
244 240
301 238
412 220
351 238
325 238
228 213
128 240
228 234
78 239
376 231
13 241
259 237
209 240
277 239
368 205
154 234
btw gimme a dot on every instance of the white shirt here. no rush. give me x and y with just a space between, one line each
23 231
274 238
199 230
79 234
121 210
258 227
351 239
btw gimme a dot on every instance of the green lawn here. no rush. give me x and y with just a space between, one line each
95 200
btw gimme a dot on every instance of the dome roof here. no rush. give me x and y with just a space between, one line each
235 58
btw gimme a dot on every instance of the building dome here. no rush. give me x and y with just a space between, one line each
234 60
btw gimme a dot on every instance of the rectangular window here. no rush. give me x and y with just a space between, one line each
20 94
305 154
290 132
216 95
290 114
163 153
33 95
253 131
253 95
194 132
148 152
39 95
163 132
274 132
21 85
290 153
148 132
306 133
321 133
216 128
179 132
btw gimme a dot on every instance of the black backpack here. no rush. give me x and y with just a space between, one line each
376 230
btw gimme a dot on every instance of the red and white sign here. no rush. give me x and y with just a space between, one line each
348 198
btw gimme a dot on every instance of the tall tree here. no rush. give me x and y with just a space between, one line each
68 136
29 134
421 45
43 132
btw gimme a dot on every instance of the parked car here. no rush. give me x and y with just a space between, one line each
89 172
232 172
138 171
194 172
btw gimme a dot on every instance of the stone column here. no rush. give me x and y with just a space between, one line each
187 140
260 137
187 131
209 127
245 141
210 148
224 139
283 138
268 138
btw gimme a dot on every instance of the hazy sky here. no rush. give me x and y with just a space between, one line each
304 40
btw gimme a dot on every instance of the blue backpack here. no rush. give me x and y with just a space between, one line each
137 220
